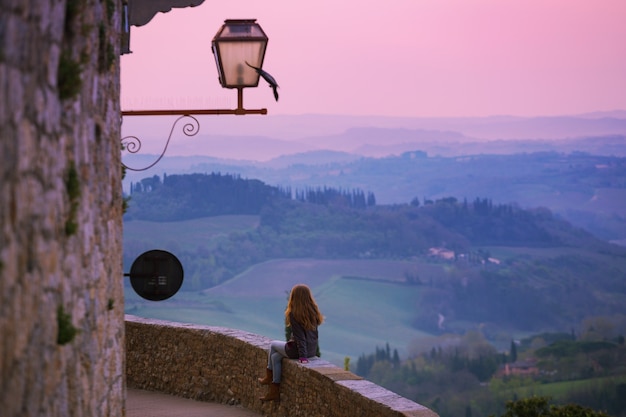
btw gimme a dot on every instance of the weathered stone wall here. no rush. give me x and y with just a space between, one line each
222 365
61 297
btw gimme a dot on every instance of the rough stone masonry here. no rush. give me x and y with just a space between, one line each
61 298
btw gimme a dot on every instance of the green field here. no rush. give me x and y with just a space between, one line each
558 390
361 314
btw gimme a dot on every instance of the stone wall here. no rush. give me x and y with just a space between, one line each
61 296
222 365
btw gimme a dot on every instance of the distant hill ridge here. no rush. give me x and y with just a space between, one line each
583 187
474 222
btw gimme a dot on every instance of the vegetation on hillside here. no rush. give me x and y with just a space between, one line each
576 276
466 375
183 197
540 406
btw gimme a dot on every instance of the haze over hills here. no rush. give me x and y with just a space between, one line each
265 137
370 153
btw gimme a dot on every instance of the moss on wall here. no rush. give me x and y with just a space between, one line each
69 82
66 330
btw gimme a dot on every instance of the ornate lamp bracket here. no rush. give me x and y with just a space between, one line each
133 144
191 128
237 43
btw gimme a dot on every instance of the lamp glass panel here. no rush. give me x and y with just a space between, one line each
234 55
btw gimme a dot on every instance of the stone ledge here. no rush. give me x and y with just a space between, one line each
222 365
336 374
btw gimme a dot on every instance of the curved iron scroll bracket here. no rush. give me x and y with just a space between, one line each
132 143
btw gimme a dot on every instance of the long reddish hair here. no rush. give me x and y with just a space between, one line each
303 307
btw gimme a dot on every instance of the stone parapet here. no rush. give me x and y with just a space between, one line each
222 365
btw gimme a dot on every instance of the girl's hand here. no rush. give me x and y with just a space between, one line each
304 360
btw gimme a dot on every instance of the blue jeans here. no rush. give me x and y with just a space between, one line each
274 359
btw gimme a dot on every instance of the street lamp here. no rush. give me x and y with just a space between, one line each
239 47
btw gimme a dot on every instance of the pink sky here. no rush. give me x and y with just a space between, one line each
418 58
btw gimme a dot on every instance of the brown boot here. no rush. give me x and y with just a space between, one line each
273 394
268 377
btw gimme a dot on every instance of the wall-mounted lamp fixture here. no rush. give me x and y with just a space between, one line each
239 50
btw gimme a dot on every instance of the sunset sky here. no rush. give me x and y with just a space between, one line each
416 58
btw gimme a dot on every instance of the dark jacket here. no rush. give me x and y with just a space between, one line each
305 341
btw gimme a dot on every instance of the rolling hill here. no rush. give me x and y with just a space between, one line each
507 270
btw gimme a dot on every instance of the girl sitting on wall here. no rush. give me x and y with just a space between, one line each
303 317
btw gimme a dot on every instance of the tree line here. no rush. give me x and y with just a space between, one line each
327 195
190 196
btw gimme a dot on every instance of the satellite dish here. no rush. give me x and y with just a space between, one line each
156 275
